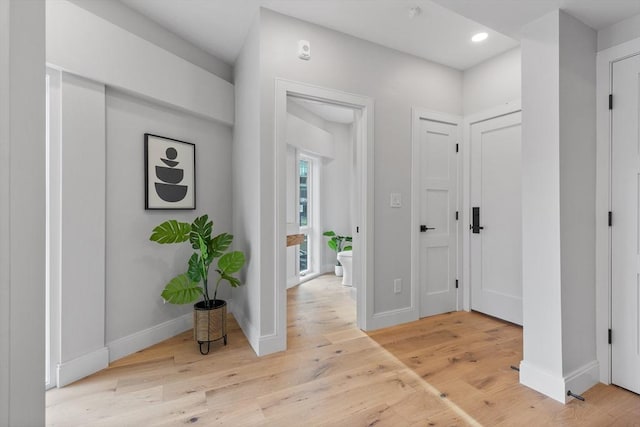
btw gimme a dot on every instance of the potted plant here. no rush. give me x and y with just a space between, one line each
336 243
209 314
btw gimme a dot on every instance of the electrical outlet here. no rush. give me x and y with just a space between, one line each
397 286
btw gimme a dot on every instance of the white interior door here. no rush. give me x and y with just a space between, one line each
625 233
496 241
438 195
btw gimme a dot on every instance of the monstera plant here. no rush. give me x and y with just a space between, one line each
209 313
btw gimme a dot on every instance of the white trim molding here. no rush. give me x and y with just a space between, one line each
389 318
556 387
148 337
249 330
363 106
82 366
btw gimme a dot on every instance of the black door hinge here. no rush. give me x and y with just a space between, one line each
456 283
456 215
357 229
609 336
457 148
610 218
610 101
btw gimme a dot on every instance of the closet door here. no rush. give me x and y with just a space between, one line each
625 231
496 232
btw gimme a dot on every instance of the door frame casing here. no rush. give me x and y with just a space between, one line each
418 114
492 113
364 107
605 60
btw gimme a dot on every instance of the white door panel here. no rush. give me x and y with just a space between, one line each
438 189
625 232
496 249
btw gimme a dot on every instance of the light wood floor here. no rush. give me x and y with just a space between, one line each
449 370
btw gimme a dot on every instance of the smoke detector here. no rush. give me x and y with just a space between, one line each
414 11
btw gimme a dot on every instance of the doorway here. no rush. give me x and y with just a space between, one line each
496 216
362 227
624 222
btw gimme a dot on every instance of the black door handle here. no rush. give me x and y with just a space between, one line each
475 218
424 228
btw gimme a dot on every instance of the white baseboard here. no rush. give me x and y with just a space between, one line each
271 344
82 366
148 337
393 317
262 345
556 387
583 378
247 327
542 381
327 268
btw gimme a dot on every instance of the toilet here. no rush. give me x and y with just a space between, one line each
345 258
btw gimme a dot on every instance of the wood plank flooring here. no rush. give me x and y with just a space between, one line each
468 358
449 370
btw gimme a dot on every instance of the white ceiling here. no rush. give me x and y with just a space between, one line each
509 16
439 33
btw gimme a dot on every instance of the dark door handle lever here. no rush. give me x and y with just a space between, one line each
424 228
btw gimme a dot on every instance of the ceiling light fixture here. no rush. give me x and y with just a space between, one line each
414 11
479 37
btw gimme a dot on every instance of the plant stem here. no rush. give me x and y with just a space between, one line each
215 292
206 293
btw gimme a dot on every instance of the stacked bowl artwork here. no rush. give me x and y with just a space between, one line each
169 189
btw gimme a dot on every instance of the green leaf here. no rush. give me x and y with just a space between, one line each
194 272
233 282
347 248
333 244
329 233
231 262
181 290
348 239
201 227
204 249
220 243
171 231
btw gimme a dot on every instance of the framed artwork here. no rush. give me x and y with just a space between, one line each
169 173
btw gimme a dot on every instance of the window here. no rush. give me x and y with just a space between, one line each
305 218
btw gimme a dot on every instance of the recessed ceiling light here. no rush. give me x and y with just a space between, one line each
479 37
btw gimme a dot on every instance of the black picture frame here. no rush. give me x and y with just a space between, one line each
169 173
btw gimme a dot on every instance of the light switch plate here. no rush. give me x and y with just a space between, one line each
396 200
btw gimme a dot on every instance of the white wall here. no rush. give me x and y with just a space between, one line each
578 44
247 205
82 227
397 82
309 138
136 23
619 32
113 291
558 153
493 82
22 213
138 269
82 43
336 192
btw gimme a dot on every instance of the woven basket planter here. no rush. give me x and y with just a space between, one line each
209 324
